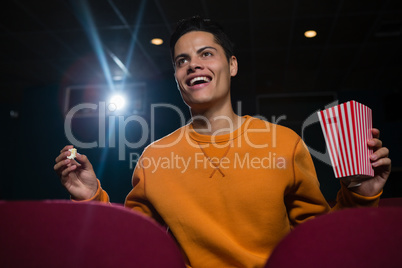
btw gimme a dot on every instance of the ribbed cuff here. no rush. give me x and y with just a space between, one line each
356 200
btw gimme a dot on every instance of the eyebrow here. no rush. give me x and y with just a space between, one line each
198 52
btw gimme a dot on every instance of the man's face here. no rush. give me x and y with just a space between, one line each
202 70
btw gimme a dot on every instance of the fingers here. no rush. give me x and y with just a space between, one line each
64 153
376 133
67 170
378 155
380 159
62 156
63 165
66 148
375 144
83 160
384 162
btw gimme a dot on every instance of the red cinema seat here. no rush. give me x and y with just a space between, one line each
359 237
390 202
66 234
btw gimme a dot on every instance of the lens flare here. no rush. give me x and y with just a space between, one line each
117 102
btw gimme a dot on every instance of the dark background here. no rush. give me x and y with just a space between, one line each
50 45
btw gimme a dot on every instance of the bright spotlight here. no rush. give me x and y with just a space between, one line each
117 102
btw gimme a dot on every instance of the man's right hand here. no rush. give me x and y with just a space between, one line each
78 177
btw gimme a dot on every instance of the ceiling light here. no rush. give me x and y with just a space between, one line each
310 34
157 41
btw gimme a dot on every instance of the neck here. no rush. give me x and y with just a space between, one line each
216 121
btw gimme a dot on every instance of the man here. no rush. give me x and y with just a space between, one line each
235 186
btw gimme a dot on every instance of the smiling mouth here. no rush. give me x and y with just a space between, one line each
198 80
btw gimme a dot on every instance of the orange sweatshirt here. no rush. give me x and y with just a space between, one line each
229 199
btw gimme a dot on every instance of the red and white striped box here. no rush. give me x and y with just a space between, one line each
347 128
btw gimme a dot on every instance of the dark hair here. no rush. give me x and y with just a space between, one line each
197 23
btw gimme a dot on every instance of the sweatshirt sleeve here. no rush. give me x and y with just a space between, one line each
349 199
304 199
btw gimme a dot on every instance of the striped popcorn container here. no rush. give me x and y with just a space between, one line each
347 128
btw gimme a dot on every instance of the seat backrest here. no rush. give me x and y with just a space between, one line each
67 234
358 237
390 202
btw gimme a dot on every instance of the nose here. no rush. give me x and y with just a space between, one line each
194 65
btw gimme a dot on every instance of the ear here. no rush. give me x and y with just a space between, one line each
233 66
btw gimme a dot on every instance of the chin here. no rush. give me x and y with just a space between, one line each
198 103
197 99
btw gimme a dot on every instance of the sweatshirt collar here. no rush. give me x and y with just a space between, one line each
219 138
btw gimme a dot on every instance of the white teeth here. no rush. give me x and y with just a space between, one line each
200 78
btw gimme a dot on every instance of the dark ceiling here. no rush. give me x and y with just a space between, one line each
61 42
